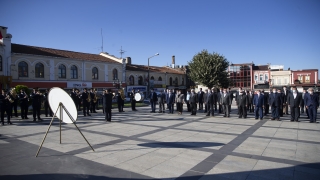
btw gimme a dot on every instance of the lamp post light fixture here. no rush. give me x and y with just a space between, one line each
148 91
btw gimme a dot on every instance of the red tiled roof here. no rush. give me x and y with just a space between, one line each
135 67
24 49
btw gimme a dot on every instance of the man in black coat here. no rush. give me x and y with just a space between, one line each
275 101
24 104
285 97
225 101
107 104
74 97
200 99
85 102
36 104
14 104
210 102
294 101
242 102
132 100
120 102
250 96
47 109
161 101
5 106
193 102
153 100
266 102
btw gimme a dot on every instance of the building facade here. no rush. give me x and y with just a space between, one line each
261 76
305 77
241 75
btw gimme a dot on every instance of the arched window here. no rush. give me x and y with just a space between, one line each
74 72
131 80
62 71
115 74
95 73
140 80
23 69
170 81
176 81
39 70
160 78
0 63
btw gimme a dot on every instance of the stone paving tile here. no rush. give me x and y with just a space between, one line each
266 132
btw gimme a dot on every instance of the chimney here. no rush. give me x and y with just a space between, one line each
173 62
128 60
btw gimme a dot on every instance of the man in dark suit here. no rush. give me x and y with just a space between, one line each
161 101
24 104
170 101
250 96
210 101
294 101
236 98
275 101
74 97
200 99
266 102
153 100
193 102
242 102
5 106
311 102
231 96
258 103
219 95
225 101
120 101
47 109
85 102
132 100
285 97
107 100
36 104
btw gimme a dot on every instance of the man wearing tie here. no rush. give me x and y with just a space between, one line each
275 101
258 103
225 101
210 100
170 101
294 101
311 102
193 102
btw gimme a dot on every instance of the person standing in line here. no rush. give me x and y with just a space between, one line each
161 101
193 102
312 104
219 95
204 100
107 100
36 104
210 101
242 102
14 104
266 103
5 106
225 101
120 101
200 99
167 94
302 101
294 101
180 101
132 100
250 101
258 103
188 101
86 98
24 104
103 101
74 97
153 100
285 97
170 101
47 109
275 101
231 96
236 98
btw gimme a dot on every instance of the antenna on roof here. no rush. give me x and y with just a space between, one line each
102 41
121 52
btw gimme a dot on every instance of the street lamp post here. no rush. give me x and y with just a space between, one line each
148 91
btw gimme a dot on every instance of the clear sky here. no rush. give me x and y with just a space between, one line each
280 32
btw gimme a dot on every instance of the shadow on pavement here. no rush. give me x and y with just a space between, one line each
180 144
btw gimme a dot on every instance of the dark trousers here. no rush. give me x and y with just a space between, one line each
161 107
312 113
295 113
85 106
205 107
120 106
302 106
266 109
250 108
179 107
47 109
215 107
170 106
193 108
78 105
14 108
36 111
108 113
220 108
242 111
92 107
275 112
285 109
210 109
188 106
133 104
258 112
6 110
24 110
307 112
226 109
280 109
153 106
200 105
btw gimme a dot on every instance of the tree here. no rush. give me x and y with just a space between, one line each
209 69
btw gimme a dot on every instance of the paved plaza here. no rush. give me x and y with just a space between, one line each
143 145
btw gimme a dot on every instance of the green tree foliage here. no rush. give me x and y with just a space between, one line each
25 88
209 69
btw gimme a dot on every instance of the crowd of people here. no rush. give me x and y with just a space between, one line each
258 102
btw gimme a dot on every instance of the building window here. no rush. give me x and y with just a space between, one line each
176 81
160 78
0 63
39 70
131 80
307 78
256 77
95 73
300 78
266 77
140 80
261 77
62 71
170 81
115 74
74 72
23 69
